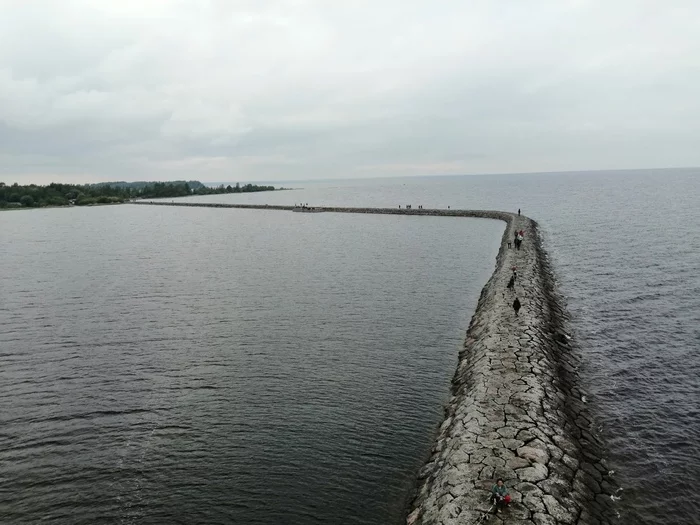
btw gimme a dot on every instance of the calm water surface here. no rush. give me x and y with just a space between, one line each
626 247
183 365
171 365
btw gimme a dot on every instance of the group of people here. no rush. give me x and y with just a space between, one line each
511 286
500 498
518 238
410 206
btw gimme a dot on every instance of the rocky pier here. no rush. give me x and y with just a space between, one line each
517 410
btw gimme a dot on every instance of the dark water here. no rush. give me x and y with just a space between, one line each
626 246
171 365
261 367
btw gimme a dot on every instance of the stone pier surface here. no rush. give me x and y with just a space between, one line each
484 214
517 410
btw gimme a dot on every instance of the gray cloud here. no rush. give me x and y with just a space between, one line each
287 89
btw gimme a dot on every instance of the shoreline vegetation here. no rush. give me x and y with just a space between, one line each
55 194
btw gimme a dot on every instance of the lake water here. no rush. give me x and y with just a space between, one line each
208 365
626 248
172 365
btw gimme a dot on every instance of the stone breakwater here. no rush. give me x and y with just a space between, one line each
516 411
484 214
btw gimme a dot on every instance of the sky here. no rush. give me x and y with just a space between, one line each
257 90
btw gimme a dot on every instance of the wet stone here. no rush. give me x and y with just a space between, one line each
594 472
582 491
557 510
541 518
560 471
570 462
534 503
555 486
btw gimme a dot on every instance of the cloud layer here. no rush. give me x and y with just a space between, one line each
295 89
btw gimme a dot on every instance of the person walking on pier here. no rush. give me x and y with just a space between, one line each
518 212
516 305
511 283
499 495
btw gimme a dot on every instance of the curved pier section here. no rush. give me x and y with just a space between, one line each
516 410
484 214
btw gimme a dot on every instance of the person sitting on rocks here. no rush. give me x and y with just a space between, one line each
499 495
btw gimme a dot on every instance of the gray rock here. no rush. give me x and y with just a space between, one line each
557 510
512 444
594 472
537 472
528 489
534 503
508 432
516 463
543 519
494 461
536 455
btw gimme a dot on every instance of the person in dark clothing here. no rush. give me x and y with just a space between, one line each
511 283
518 211
516 305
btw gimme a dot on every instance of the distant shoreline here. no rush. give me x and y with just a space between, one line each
58 195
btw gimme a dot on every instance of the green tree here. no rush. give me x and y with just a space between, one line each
27 201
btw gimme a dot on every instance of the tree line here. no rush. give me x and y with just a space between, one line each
56 194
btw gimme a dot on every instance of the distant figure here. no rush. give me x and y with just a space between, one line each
511 283
515 273
509 244
499 495
448 207
399 206
516 305
518 211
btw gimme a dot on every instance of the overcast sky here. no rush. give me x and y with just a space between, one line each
297 89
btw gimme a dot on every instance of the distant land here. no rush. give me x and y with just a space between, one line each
56 194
